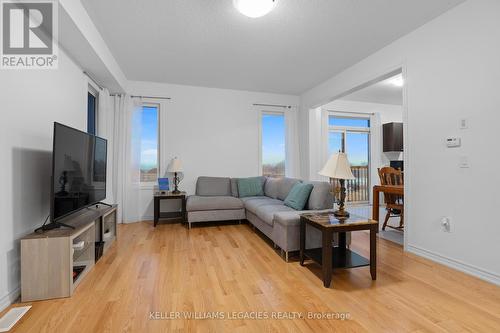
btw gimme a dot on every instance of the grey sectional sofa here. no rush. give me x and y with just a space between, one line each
217 199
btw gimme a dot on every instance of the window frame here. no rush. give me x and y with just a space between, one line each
353 129
91 90
152 184
345 129
348 128
262 113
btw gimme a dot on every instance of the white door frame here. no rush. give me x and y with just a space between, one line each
403 69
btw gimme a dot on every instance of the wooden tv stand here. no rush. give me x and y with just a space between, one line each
50 267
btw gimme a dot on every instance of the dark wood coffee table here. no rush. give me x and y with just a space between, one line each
330 257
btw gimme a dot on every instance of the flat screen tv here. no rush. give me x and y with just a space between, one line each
78 172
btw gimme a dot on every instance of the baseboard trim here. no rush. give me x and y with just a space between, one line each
456 264
10 298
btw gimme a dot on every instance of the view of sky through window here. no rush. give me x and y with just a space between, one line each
273 145
357 148
348 122
355 144
149 143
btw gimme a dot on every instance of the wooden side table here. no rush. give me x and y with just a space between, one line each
158 196
330 257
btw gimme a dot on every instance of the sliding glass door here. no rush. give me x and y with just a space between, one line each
352 136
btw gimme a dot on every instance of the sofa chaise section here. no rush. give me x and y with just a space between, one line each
281 223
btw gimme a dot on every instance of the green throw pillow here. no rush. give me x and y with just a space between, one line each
297 198
250 187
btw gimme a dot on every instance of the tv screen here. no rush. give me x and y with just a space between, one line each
78 171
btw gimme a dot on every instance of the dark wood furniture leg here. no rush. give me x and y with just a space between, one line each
184 211
342 241
387 216
373 252
326 264
376 204
156 210
302 240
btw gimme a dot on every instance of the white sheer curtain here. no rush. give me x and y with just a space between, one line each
105 128
375 155
126 157
292 152
324 137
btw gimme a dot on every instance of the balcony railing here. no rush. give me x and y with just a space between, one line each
357 189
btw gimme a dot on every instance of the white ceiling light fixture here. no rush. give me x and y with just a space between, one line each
397 81
254 8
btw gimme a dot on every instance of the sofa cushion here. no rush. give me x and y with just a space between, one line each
271 188
255 203
197 203
290 218
234 187
267 213
250 187
246 199
285 185
321 196
213 186
298 196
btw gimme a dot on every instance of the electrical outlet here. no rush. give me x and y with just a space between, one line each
446 224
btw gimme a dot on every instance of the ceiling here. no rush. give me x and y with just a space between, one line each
300 44
383 92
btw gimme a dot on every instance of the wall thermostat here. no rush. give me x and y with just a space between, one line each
453 142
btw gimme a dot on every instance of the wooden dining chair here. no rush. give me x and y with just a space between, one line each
394 203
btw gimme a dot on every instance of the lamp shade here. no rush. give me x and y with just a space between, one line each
337 167
175 165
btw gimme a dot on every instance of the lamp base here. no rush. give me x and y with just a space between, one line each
176 192
341 214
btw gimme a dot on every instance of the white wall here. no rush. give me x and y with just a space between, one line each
451 70
31 100
83 42
215 132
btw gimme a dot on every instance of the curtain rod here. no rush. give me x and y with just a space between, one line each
274 105
137 96
153 97
101 87
93 80
351 112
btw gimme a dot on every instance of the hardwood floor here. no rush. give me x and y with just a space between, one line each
229 268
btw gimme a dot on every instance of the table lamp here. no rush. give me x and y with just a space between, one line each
175 166
338 167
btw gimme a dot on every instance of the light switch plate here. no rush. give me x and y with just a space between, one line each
463 162
464 124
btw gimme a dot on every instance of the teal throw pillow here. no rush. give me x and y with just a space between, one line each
250 187
298 196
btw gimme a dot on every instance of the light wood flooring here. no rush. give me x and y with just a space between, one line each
231 269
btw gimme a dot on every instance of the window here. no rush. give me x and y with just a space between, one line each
92 112
273 144
352 136
148 122
348 122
